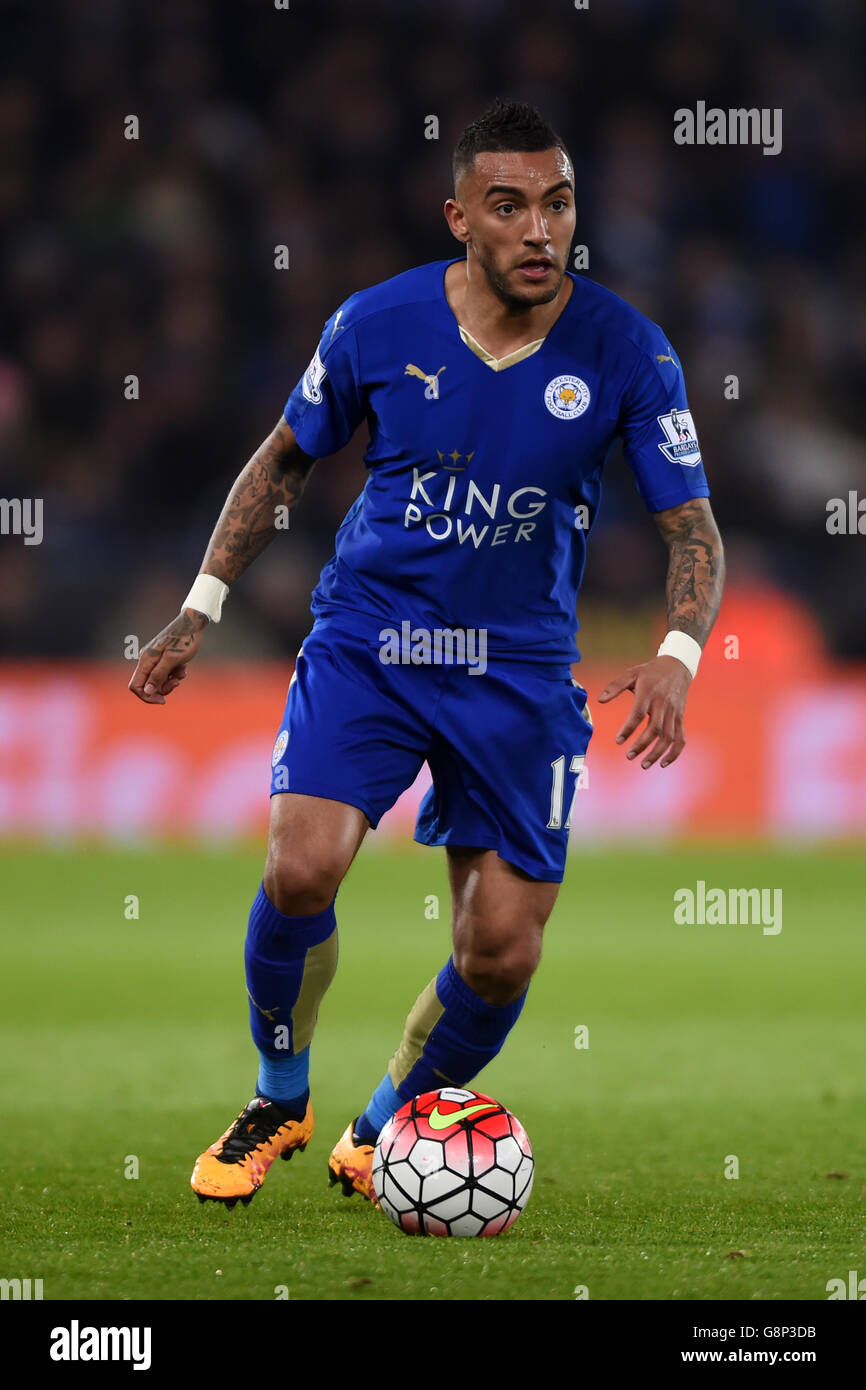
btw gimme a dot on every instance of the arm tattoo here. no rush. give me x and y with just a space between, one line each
275 476
179 636
696 567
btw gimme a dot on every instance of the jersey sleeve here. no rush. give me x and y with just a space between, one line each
327 405
660 441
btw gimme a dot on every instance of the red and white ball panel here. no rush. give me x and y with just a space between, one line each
453 1163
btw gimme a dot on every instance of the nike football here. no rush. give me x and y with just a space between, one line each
453 1163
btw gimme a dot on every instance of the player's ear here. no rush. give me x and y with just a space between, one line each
456 219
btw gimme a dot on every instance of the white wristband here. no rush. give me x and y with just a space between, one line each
206 596
684 648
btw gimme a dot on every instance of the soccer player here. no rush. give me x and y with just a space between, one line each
493 387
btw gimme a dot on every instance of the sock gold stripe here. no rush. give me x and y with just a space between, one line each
425 1014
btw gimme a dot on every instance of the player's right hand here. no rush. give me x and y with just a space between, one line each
162 663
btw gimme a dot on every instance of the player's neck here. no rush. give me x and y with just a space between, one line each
497 326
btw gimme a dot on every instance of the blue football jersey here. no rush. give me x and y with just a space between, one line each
483 484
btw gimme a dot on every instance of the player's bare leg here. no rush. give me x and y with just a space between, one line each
291 957
498 918
461 1020
311 845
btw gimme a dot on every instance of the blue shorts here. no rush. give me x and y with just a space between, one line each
505 748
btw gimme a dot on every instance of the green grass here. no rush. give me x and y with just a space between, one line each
129 1037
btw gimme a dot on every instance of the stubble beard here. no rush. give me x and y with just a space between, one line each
504 292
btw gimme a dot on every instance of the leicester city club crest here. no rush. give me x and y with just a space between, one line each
566 397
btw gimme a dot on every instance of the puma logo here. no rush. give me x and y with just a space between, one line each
431 378
269 1014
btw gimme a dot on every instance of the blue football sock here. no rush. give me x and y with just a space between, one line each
290 961
286 1080
467 1034
381 1106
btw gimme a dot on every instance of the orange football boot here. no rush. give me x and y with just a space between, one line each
237 1164
351 1164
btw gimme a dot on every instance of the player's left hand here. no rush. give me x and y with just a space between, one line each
660 688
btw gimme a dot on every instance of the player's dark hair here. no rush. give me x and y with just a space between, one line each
505 126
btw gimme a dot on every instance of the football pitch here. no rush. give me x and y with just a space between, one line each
707 1142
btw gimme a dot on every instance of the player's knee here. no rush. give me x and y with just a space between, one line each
300 884
498 978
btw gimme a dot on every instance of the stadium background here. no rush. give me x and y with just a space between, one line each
307 128
131 838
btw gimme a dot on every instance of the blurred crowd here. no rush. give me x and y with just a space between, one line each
305 127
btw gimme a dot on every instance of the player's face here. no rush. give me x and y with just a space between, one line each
515 211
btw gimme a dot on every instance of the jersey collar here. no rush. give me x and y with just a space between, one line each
499 364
